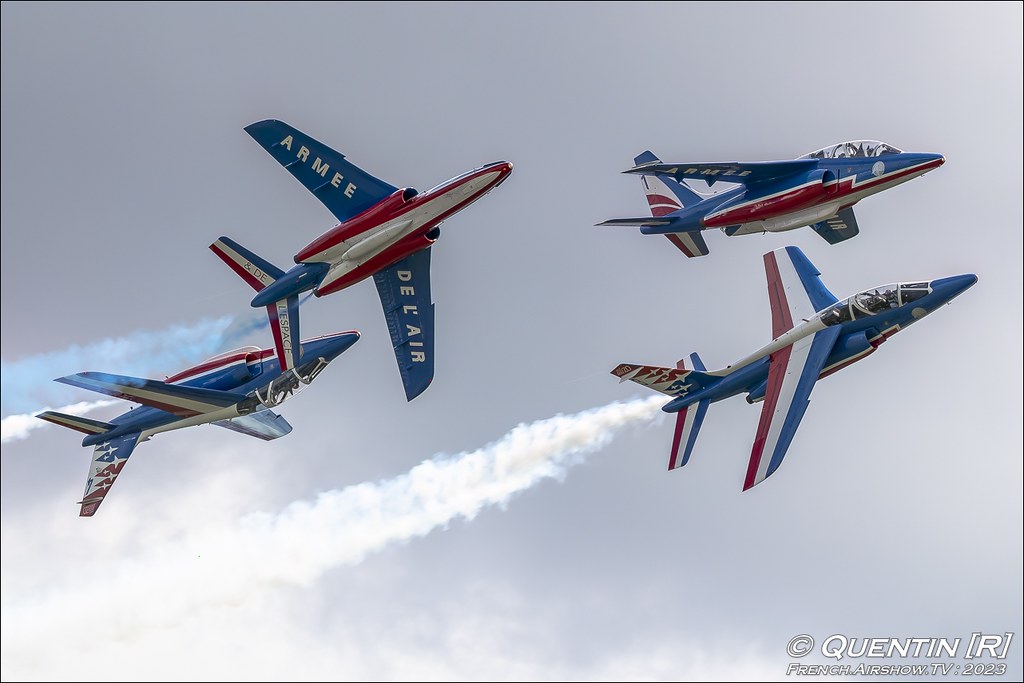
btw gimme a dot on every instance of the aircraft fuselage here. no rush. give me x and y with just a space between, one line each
810 198
862 332
251 371
400 225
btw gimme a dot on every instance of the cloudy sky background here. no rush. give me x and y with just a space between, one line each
565 551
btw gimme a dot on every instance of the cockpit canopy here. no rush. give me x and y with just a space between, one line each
874 301
852 149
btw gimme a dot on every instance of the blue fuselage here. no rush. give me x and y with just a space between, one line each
832 184
861 333
241 378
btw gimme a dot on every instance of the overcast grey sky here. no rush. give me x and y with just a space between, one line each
897 512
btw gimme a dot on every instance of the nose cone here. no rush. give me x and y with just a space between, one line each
951 287
345 340
333 345
504 169
925 162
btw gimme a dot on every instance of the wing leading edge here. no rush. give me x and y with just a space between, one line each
404 291
172 398
795 289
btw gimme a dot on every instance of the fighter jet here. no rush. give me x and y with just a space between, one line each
815 335
385 231
235 390
818 189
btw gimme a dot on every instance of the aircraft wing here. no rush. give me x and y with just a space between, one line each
743 172
839 228
172 398
108 459
795 289
404 291
266 425
344 188
792 372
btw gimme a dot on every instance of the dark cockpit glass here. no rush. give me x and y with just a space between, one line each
912 291
874 301
854 149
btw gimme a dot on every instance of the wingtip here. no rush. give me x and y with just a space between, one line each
413 392
257 124
624 371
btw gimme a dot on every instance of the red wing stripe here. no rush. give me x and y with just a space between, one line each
674 239
778 362
677 438
222 251
782 319
275 328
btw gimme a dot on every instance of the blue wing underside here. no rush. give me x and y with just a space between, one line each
404 290
341 186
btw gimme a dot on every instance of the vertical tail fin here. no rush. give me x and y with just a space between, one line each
664 193
259 274
667 195
688 422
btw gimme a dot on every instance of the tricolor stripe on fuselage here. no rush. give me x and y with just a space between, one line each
848 191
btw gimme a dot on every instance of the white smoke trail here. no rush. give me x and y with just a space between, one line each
28 382
18 427
220 566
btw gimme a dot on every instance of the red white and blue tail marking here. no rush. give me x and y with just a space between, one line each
688 423
664 200
258 273
660 198
108 459
284 326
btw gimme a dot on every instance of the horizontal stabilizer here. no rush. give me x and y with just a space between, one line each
642 222
743 172
839 228
108 459
256 271
173 398
80 424
669 381
690 243
688 422
266 425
